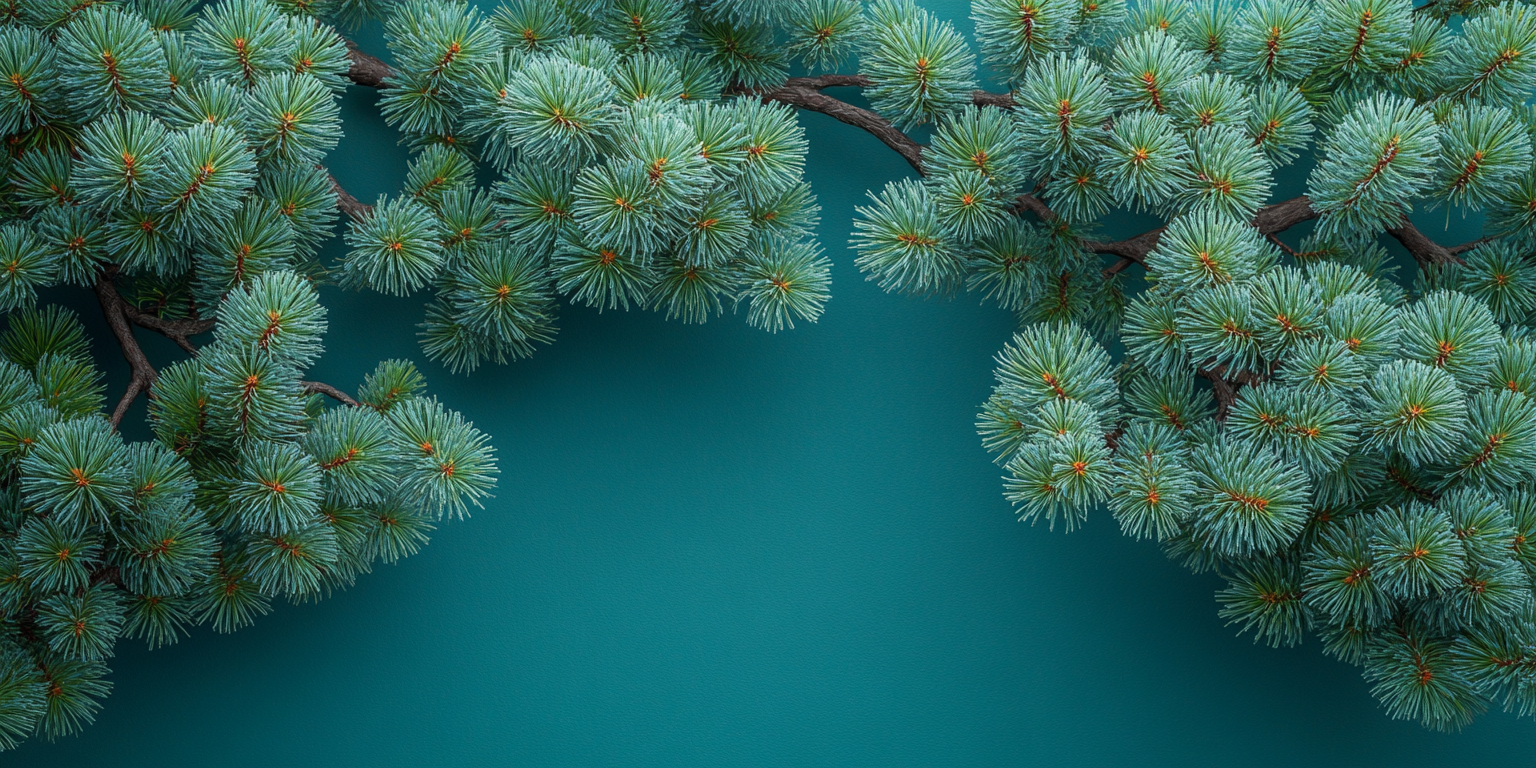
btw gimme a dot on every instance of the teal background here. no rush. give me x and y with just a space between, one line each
715 546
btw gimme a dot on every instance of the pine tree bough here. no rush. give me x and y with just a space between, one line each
366 70
169 159
321 388
806 93
346 203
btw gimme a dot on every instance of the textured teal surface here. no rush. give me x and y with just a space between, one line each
713 546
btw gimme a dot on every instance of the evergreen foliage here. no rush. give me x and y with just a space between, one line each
1352 455
168 156
629 175
1352 452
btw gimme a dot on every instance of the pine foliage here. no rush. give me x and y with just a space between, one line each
1355 453
635 169
170 155
1351 453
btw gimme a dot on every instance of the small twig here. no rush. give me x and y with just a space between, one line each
1112 438
107 574
113 308
1457 250
178 331
805 93
348 204
1225 391
1281 245
1029 202
1116 268
320 387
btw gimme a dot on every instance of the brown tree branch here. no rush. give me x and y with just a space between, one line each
1274 219
322 388
1134 249
1269 221
1118 266
805 93
367 71
178 331
1457 250
1225 391
142 374
986 99
107 574
348 204
1424 250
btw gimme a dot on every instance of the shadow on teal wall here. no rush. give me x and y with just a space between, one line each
713 546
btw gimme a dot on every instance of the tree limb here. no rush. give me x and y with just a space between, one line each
142 374
322 388
1424 250
1457 250
178 331
1269 221
985 99
1225 391
1273 219
1133 249
348 204
1118 266
805 93
367 71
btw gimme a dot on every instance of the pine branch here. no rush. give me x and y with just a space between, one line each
114 308
805 93
1133 249
1269 221
1274 219
322 388
1423 249
988 99
1118 266
1457 250
1224 390
178 331
800 92
348 204
107 574
366 70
